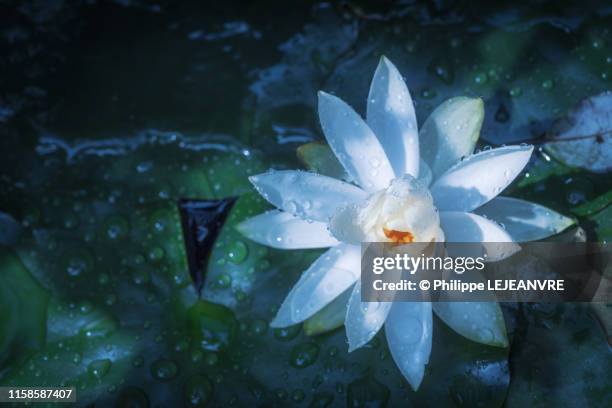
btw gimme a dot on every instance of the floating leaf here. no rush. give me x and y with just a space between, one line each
367 392
603 311
23 307
583 138
212 326
594 205
482 322
564 342
602 224
86 351
9 229
318 157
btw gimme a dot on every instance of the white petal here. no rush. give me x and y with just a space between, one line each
330 275
282 230
425 174
482 322
391 116
363 319
523 220
354 143
305 194
343 225
330 317
478 178
467 227
408 329
451 132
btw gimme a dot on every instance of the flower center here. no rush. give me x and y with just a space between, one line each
402 213
399 237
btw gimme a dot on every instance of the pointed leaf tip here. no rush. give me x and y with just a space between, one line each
197 216
482 322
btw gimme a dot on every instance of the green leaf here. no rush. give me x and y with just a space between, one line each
10 230
482 322
564 330
594 206
84 350
23 307
602 224
367 392
212 326
318 157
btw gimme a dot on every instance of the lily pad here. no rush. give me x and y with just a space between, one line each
549 331
583 138
319 158
23 305
85 350
9 229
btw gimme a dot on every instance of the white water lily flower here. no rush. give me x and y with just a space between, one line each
393 199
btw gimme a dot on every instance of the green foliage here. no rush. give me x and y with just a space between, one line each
23 307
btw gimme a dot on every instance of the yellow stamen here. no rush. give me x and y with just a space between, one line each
399 237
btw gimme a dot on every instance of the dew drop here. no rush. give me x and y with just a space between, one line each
76 358
304 354
198 391
156 254
259 327
99 368
164 369
516 91
224 281
287 333
132 397
140 277
486 335
547 84
290 206
78 262
144 167
298 395
237 252
480 78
